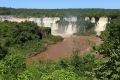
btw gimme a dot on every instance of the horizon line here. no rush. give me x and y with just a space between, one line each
58 8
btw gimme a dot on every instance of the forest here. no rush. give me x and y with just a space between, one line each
23 12
19 41
19 36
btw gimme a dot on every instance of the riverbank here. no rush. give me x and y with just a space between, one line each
64 49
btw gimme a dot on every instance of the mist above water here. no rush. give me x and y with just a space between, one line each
64 26
101 25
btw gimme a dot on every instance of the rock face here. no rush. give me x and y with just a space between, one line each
101 25
65 26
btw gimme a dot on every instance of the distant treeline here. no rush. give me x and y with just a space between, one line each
22 12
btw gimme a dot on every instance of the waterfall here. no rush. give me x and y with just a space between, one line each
67 26
87 18
101 25
71 28
93 20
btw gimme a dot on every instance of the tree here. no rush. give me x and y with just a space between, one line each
60 75
110 48
11 66
3 52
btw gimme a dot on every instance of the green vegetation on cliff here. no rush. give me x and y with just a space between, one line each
110 48
26 37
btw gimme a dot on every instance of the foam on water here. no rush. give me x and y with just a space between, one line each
101 25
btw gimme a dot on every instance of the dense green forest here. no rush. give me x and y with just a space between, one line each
110 48
19 36
22 12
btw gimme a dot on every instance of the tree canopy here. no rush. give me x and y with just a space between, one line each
110 48
90 12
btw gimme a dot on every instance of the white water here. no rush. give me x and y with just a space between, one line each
93 20
63 30
87 18
71 19
101 25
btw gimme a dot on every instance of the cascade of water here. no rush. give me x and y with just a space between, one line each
93 20
87 18
66 28
54 27
101 25
69 28
74 28
71 19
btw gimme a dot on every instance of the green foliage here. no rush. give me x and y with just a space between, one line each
61 75
31 73
26 37
11 66
3 52
74 68
77 67
110 48
110 37
113 13
81 65
54 39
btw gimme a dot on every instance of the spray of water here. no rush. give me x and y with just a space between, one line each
64 26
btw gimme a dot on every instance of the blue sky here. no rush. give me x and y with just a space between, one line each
109 4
